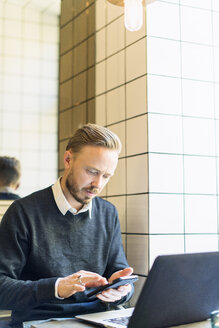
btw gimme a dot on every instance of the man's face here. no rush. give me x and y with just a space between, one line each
89 171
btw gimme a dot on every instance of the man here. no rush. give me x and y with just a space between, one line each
58 242
10 174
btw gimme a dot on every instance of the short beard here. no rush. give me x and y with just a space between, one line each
74 192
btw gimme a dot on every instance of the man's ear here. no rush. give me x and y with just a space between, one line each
17 185
67 158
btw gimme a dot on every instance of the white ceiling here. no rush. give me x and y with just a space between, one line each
47 6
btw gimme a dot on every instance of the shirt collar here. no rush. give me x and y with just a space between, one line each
7 189
63 204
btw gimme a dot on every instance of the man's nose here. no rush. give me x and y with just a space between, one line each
97 182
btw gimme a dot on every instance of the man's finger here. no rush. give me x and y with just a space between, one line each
121 273
90 279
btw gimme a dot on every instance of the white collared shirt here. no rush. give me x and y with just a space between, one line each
64 207
7 189
63 204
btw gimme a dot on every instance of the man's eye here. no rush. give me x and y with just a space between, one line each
106 176
92 172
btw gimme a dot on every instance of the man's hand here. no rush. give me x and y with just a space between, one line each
115 294
78 282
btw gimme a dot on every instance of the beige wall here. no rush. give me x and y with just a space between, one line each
77 69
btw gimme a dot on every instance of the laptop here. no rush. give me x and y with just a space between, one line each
180 289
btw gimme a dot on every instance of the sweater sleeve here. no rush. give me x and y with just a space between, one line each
14 250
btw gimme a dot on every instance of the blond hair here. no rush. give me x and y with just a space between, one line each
94 135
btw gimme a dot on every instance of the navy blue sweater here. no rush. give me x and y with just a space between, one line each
38 244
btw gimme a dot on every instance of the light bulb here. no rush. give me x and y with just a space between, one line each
133 14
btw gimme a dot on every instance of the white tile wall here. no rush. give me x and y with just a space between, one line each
194 57
166 173
165 133
215 5
163 57
199 136
166 28
200 173
201 243
193 29
182 85
166 213
169 99
216 65
28 93
165 244
198 98
215 28
198 4
200 214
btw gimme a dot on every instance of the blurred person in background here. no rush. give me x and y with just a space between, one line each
10 175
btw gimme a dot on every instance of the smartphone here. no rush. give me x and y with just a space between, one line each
114 284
